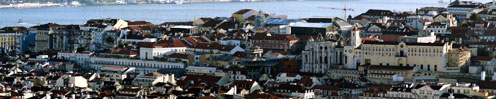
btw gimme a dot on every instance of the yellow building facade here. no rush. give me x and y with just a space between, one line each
425 56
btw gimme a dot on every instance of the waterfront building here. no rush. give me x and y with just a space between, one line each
11 38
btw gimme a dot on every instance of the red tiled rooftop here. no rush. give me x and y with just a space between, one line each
178 55
263 36
122 51
389 38
113 67
482 58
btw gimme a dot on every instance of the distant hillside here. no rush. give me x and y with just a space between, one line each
89 2
97 2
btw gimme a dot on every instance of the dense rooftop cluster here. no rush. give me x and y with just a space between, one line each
433 52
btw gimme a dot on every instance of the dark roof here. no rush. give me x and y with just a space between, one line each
326 87
243 11
13 29
214 46
210 80
138 23
319 20
481 58
46 26
178 55
129 90
291 88
189 23
378 12
490 33
223 58
487 84
436 87
306 80
402 89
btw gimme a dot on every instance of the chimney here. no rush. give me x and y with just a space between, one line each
416 11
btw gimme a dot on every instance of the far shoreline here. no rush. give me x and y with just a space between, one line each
84 5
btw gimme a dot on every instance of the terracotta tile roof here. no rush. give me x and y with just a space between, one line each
326 87
206 97
244 84
389 38
368 39
178 55
251 18
240 54
138 23
140 37
113 67
163 44
481 58
306 80
425 20
213 46
487 84
122 52
210 80
264 36
195 40
490 33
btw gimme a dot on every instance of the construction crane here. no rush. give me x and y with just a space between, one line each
345 9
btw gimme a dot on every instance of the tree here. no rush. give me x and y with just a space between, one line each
474 17
126 43
110 39
120 44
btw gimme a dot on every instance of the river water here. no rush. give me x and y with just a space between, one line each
159 13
